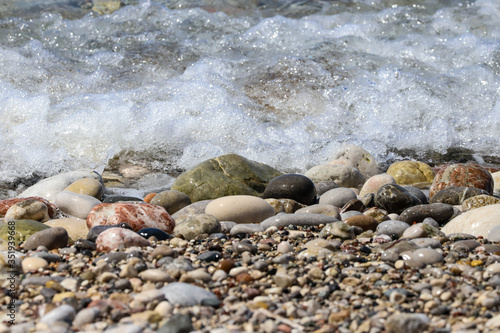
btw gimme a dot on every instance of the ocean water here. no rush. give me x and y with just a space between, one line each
167 84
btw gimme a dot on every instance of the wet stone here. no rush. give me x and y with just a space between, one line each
337 197
479 201
455 195
395 199
94 232
292 186
210 256
284 220
463 175
244 246
337 230
392 227
154 232
197 225
440 212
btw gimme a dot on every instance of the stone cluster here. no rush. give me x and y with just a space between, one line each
238 246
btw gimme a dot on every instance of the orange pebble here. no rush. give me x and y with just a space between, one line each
149 197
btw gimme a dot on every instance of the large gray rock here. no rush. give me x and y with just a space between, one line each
225 175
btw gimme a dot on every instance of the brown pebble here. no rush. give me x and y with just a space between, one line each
226 265
244 277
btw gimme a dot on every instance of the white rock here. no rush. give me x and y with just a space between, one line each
477 222
75 204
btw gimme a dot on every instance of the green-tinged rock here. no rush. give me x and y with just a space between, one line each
103 7
479 201
20 230
197 225
337 230
225 175
411 172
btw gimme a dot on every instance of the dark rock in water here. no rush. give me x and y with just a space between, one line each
438 211
178 323
325 186
159 234
395 198
463 175
117 198
239 175
52 238
292 186
97 230
455 195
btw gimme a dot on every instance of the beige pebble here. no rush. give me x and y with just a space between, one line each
240 209
86 186
33 264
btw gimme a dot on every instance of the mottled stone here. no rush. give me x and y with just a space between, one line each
395 199
6 204
291 186
239 175
374 183
29 209
94 232
23 229
377 213
193 209
49 187
440 212
342 175
171 200
362 221
353 205
51 238
186 294
240 209
197 225
421 230
87 186
337 197
323 209
284 220
411 172
454 195
76 228
359 158
337 230
137 215
75 204
288 206
392 227
477 222
462 175
479 201
119 238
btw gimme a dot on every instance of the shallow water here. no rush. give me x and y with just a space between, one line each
167 84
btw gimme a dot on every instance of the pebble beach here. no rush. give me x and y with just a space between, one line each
345 247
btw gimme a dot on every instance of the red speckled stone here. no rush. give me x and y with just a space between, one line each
463 175
137 215
119 238
6 204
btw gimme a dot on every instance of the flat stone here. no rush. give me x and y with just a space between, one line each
155 275
240 209
337 197
49 187
197 225
364 222
119 238
462 175
477 222
75 204
440 212
324 209
186 294
171 200
342 175
411 172
137 215
246 229
51 238
239 175
283 220
87 186
291 186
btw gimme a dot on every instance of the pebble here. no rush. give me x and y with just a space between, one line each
337 197
337 229
178 323
342 175
477 222
324 186
479 201
76 228
192 209
33 264
173 201
65 313
29 209
85 316
359 158
137 215
87 186
455 195
245 229
240 209
292 186
392 227
52 238
119 238
407 322
282 220
197 225
185 294
324 209
75 204
155 275
154 232
440 212
427 256
462 175
363 221
374 183
284 247
395 198
494 234
411 172
287 206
